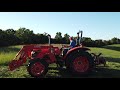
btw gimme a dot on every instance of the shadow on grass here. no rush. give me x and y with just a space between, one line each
9 49
116 48
98 72
104 72
58 73
4 64
110 59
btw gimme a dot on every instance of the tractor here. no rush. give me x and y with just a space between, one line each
77 60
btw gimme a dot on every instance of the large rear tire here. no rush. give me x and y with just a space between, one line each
38 68
80 63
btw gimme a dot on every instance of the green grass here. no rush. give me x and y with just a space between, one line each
110 52
106 52
8 53
112 55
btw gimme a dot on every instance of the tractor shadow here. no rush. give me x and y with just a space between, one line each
98 72
55 72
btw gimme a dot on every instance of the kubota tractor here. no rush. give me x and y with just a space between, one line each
77 60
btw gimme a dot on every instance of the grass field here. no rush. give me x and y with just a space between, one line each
110 52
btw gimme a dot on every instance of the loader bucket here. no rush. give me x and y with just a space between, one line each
19 59
14 64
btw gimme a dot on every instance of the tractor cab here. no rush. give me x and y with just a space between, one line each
78 43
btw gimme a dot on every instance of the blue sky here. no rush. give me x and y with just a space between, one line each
97 25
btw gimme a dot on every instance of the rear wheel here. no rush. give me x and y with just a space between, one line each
81 63
38 68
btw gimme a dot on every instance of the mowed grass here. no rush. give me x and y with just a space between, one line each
110 52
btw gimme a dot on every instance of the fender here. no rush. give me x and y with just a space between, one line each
75 49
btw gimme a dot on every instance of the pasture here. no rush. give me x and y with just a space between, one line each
110 52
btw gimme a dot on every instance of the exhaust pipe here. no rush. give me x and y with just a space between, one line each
79 38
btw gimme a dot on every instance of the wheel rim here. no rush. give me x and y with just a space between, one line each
81 64
37 69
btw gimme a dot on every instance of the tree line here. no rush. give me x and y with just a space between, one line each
26 36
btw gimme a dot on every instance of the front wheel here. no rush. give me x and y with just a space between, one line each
38 68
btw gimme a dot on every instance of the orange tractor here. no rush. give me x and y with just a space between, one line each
77 60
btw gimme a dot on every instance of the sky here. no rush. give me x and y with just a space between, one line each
96 25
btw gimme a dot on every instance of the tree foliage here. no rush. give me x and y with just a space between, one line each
27 36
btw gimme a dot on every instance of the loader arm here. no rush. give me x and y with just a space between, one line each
21 57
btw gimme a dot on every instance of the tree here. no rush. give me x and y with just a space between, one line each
10 31
87 41
118 41
105 42
99 43
58 37
25 35
40 39
114 40
65 39
12 38
3 38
